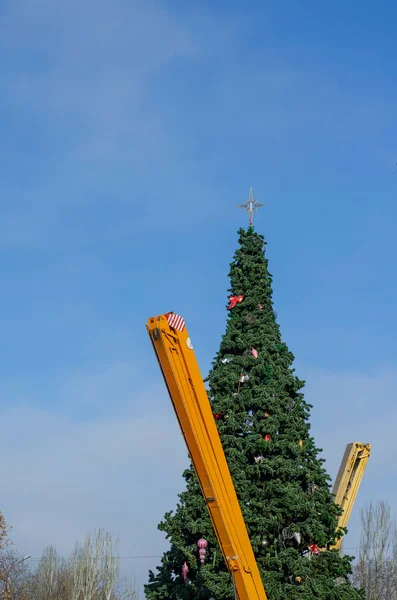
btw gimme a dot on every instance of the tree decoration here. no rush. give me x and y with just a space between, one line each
202 545
248 425
267 438
298 579
266 415
312 488
250 319
225 361
243 378
258 459
217 416
314 549
233 300
265 543
185 571
286 533
289 533
250 206
260 306
254 352
300 443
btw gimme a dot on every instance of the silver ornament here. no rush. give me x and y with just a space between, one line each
297 536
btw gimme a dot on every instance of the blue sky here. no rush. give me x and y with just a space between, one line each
129 133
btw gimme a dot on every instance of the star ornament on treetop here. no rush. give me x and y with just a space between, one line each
251 205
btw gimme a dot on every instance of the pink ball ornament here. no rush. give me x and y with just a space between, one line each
202 545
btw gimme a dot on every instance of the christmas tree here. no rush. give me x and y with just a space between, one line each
282 486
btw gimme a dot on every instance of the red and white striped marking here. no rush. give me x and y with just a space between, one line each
176 321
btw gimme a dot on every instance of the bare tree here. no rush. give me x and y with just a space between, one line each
51 579
95 568
14 575
45 584
375 569
4 531
110 567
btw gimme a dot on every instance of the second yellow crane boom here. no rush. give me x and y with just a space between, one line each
348 480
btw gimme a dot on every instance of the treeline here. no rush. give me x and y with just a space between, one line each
91 572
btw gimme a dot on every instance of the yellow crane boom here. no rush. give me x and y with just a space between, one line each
348 480
174 351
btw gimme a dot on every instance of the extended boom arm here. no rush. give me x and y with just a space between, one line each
185 385
348 480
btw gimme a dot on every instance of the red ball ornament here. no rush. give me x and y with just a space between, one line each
217 416
267 438
314 549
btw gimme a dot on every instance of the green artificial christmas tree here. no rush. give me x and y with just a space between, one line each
283 489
